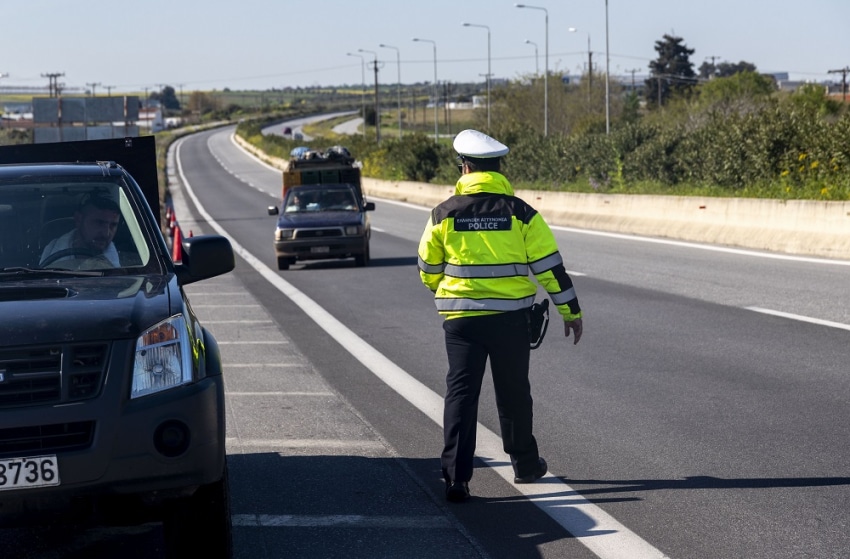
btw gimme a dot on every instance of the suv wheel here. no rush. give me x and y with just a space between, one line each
362 259
200 525
284 263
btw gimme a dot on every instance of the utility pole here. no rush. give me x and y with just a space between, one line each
53 85
375 66
109 89
632 71
713 67
843 73
93 85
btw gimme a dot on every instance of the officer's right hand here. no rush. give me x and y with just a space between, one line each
575 326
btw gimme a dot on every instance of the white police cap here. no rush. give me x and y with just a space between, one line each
473 143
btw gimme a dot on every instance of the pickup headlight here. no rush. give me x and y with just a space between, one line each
353 230
163 358
282 234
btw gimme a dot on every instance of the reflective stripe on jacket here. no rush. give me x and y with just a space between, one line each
479 246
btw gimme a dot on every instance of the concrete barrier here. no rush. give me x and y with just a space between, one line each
804 227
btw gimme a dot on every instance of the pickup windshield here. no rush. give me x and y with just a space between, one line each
315 200
70 223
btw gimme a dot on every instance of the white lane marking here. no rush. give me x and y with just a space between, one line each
600 532
801 318
226 306
340 521
290 444
263 365
319 394
252 342
238 322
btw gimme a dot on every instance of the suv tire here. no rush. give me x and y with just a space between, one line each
200 525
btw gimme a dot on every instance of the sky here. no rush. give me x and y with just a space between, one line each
207 45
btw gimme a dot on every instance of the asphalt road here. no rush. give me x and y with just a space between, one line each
704 414
707 428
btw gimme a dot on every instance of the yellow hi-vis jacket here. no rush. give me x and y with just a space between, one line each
479 246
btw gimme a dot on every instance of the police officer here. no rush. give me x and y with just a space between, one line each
475 255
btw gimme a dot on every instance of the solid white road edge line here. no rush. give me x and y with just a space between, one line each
600 532
800 318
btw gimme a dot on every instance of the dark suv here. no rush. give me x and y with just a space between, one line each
111 391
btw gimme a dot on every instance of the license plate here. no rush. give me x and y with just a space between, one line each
34 471
321 250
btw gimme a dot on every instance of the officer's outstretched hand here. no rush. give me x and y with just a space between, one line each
575 326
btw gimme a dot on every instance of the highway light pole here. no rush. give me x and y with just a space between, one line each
436 94
546 75
398 86
589 64
363 87
488 67
536 61
607 75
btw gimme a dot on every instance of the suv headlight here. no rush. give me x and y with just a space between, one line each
282 234
353 229
163 358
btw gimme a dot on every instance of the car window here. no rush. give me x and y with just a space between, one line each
77 223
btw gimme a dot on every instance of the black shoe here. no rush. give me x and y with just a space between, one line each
541 470
457 491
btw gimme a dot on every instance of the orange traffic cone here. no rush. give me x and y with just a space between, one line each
177 245
172 224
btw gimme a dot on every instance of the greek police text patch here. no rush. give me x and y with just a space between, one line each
483 223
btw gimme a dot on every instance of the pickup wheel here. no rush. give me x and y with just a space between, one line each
200 525
362 259
284 263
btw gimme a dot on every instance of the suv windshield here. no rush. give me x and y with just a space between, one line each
79 223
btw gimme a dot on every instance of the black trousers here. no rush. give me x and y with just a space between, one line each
470 341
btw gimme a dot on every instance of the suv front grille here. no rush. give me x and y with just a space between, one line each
33 376
46 438
318 233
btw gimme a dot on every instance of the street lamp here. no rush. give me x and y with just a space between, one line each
536 61
363 87
546 75
377 102
589 64
607 73
436 129
488 67
398 86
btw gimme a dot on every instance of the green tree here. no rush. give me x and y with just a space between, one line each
168 98
813 97
672 73
737 93
724 69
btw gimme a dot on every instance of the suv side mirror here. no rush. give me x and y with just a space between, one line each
204 257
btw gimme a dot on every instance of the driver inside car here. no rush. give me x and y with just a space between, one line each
95 223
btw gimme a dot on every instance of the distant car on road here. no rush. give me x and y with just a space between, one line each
287 131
